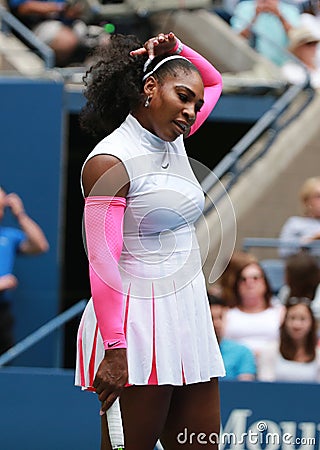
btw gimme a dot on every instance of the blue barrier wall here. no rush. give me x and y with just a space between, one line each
41 409
31 164
270 415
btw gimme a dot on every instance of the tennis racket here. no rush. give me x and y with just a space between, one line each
115 427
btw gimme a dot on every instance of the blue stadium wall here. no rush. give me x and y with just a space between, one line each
32 165
40 409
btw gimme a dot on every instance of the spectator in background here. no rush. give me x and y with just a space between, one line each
304 229
310 18
227 280
295 356
238 360
303 45
266 23
27 239
254 320
302 278
225 9
57 24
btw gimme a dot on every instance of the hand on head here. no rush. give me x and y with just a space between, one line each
158 45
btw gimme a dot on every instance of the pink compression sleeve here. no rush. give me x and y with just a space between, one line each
103 220
211 78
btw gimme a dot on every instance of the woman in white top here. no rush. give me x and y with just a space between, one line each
295 356
255 319
146 335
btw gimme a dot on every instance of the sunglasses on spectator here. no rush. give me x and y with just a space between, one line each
251 277
298 301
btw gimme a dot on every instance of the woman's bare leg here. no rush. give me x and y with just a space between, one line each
194 409
144 412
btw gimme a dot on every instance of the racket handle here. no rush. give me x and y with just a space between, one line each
114 420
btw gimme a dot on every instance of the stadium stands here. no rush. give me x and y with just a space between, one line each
259 174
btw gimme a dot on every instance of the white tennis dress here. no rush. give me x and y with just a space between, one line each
167 320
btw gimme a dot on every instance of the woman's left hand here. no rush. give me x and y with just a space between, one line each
158 45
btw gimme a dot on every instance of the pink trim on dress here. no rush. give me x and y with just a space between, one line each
126 313
183 377
93 358
80 350
153 378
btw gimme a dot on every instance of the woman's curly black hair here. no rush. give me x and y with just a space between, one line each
114 85
112 88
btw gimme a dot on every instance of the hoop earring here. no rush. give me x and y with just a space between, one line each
147 102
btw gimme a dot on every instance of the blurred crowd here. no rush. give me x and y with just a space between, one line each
274 333
284 32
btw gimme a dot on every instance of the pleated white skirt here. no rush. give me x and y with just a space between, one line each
167 322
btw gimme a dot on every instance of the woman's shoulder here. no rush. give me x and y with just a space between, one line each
234 311
118 143
294 224
277 306
275 309
273 313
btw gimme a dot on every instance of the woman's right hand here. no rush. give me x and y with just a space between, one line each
111 377
157 45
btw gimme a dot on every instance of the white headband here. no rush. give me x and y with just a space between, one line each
156 67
